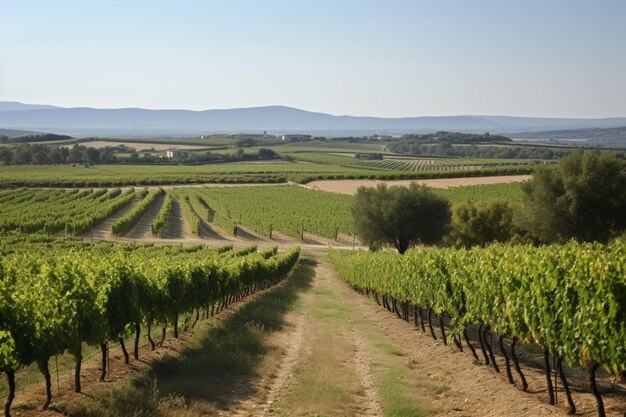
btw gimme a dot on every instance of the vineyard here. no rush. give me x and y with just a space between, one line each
473 193
568 300
289 209
58 296
52 211
407 165
78 300
129 175
126 223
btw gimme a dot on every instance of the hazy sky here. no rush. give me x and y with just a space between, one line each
379 58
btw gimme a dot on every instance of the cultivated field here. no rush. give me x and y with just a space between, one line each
84 175
267 211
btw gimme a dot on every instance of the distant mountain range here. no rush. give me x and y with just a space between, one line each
130 122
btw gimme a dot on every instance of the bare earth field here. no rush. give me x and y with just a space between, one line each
350 186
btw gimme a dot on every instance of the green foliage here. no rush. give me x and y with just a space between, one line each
478 224
163 215
507 151
38 154
511 192
286 209
43 137
53 211
583 197
569 299
411 167
57 295
401 216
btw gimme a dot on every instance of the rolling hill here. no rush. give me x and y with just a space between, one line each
82 121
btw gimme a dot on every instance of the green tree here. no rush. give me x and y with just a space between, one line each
481 223
582 197
265 153
402 216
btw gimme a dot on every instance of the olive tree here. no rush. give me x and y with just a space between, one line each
402 216
582 197
481 223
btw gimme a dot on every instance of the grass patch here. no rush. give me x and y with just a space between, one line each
396 402
390 348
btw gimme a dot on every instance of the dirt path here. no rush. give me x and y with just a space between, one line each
293 356
362 366
175 227
103 230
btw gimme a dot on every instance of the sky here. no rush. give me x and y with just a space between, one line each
387 58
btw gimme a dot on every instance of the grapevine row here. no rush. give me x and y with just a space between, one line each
164 213
62 298
569 300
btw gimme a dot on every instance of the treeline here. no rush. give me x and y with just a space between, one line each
453 137
40 154
36 154
589 134
46 137
369 156
475 151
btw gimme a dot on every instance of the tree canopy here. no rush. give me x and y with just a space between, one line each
582 197
481 223
401 216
